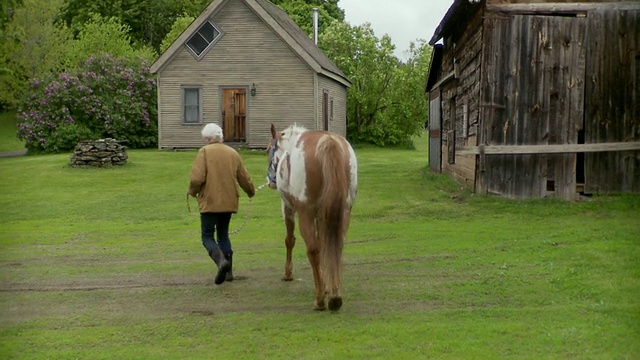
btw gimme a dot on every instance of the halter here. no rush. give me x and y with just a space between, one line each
273 166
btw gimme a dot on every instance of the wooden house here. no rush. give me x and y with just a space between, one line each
244 64
537 98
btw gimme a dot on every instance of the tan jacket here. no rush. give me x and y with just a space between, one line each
215 175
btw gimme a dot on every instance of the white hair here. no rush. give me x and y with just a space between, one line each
212 131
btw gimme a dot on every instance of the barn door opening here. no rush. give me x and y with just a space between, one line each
580 163
435 126
234 115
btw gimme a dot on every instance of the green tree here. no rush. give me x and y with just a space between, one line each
35 47
386 103
330 6
370 65
149 20
105 35
408 106
178 27
301 12
7 9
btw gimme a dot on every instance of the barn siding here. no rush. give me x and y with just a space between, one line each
463 171
552 72
249 52
613 100
532 88
459 94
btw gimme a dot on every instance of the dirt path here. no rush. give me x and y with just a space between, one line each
5 154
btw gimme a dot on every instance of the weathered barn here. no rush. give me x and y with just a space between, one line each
244 64
537 98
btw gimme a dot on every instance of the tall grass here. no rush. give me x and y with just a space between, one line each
107 263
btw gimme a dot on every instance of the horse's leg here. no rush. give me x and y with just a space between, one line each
308 232
333 291
289 216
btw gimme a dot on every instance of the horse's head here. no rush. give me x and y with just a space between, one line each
281 142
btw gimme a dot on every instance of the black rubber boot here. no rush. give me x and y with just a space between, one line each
229 258
223 265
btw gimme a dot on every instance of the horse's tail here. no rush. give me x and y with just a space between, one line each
333 156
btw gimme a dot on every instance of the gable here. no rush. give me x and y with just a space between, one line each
292 29
279 22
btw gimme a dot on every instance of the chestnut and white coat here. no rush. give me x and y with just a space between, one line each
316 174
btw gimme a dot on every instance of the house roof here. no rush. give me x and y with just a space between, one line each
280 22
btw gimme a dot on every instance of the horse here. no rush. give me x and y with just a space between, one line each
316 175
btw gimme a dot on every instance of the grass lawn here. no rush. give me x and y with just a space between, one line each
8 139
107 263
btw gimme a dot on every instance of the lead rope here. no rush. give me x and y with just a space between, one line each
246 215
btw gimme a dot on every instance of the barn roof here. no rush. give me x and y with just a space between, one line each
434 66
280 22
458 12
461 11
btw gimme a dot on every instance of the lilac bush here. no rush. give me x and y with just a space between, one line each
103 97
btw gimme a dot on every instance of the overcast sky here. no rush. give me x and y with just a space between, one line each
403 20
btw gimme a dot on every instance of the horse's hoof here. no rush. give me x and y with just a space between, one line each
335 303
287 278
319 306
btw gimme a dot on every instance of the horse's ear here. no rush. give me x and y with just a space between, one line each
273 131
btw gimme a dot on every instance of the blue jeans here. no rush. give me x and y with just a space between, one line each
218 223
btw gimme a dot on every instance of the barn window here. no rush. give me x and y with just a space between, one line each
191 105
202 39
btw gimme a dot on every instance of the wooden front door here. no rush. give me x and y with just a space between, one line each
234 115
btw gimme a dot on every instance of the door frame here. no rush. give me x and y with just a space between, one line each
234 135
325 109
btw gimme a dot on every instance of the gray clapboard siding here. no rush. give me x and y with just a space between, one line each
252 50
261 59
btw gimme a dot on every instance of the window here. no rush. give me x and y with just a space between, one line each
331 109
191 105
203 38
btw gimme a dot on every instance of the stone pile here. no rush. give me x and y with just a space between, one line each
99 153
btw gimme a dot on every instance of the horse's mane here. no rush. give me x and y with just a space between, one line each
295 129
290 134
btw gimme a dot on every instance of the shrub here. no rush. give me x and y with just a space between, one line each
104 97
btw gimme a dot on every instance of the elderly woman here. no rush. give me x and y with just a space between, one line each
215 175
